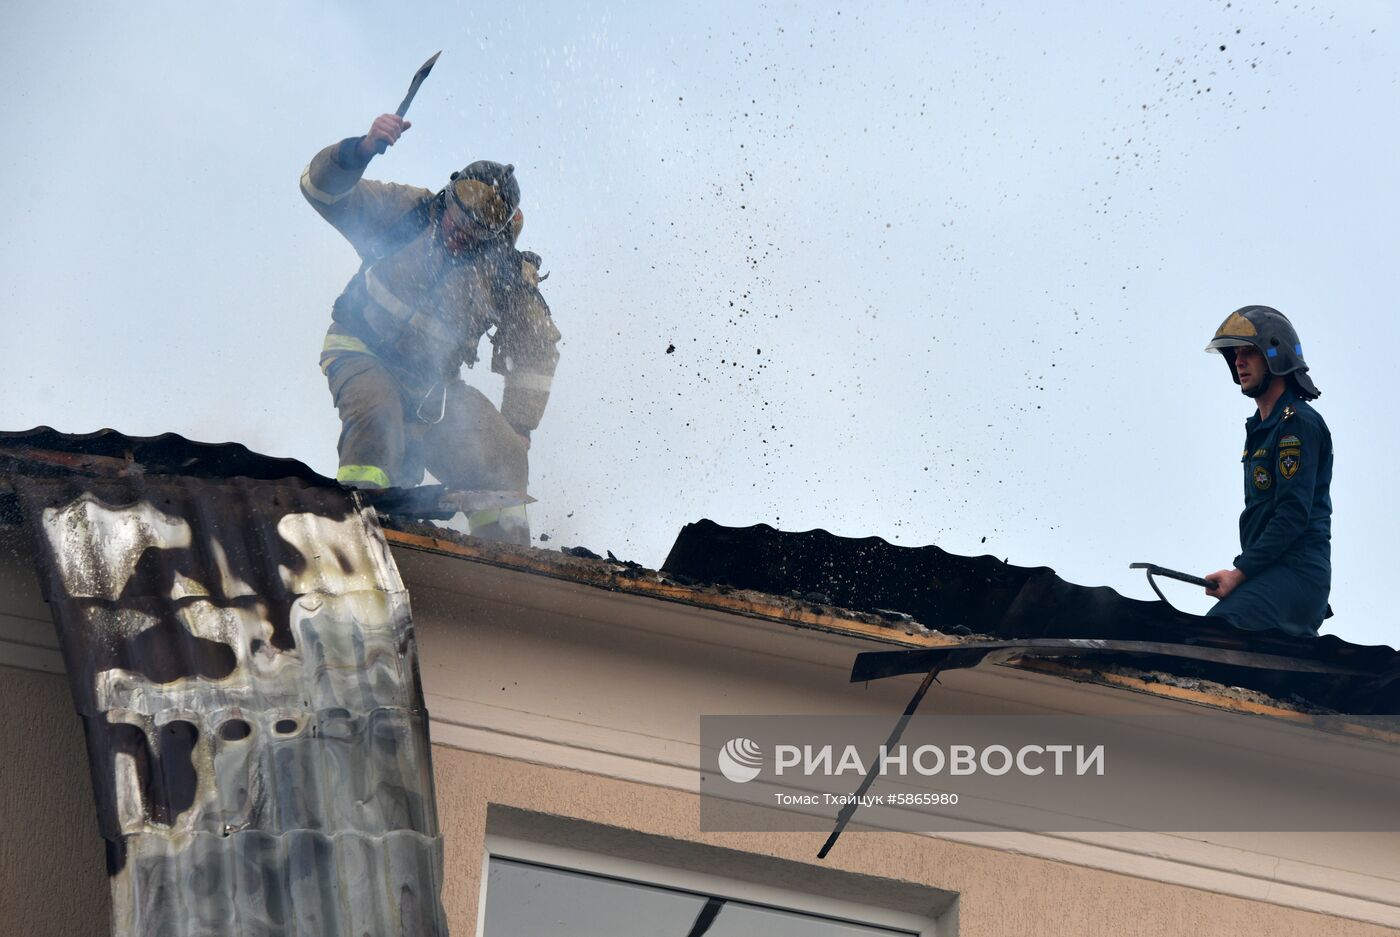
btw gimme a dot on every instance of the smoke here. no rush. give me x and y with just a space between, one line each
935 276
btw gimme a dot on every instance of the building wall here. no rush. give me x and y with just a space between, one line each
1001 894
538 670
52 882
53 877
576 707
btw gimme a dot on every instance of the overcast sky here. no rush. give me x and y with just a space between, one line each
940 273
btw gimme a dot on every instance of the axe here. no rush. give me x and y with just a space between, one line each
413 87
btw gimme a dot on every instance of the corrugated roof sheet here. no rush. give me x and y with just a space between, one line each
33 452
241 654
950 593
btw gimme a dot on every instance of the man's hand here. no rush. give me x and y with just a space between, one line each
1224 582
383 133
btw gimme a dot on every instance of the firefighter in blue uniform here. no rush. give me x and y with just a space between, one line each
1283 574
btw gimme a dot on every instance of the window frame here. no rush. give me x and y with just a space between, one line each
645 873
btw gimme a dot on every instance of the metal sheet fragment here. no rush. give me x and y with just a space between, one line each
875 665
241 654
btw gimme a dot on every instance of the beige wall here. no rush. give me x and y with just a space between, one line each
52 882
53 877
1002 895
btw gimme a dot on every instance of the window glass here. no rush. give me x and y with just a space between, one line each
528 900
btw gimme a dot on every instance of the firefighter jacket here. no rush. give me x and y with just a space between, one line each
421 307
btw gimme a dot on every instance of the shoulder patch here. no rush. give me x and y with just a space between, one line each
1262 479
1290 441
1289 461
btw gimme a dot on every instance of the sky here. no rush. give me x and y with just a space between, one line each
940 273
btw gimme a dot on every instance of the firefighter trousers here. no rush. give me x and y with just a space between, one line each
389 436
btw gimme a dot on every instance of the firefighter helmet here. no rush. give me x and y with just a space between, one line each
1268 330
486 193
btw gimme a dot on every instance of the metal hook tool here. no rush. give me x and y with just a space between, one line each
1154 570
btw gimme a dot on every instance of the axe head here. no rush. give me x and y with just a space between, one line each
413 86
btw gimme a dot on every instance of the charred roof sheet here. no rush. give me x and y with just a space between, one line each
241 655
44 450
946 592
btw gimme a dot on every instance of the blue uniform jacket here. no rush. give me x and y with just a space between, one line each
1287 516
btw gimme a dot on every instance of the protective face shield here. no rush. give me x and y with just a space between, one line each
1268 330
483 198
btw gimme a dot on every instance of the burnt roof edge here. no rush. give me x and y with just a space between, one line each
636 580
629 580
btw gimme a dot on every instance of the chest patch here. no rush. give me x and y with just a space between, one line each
1289 460
1262 478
